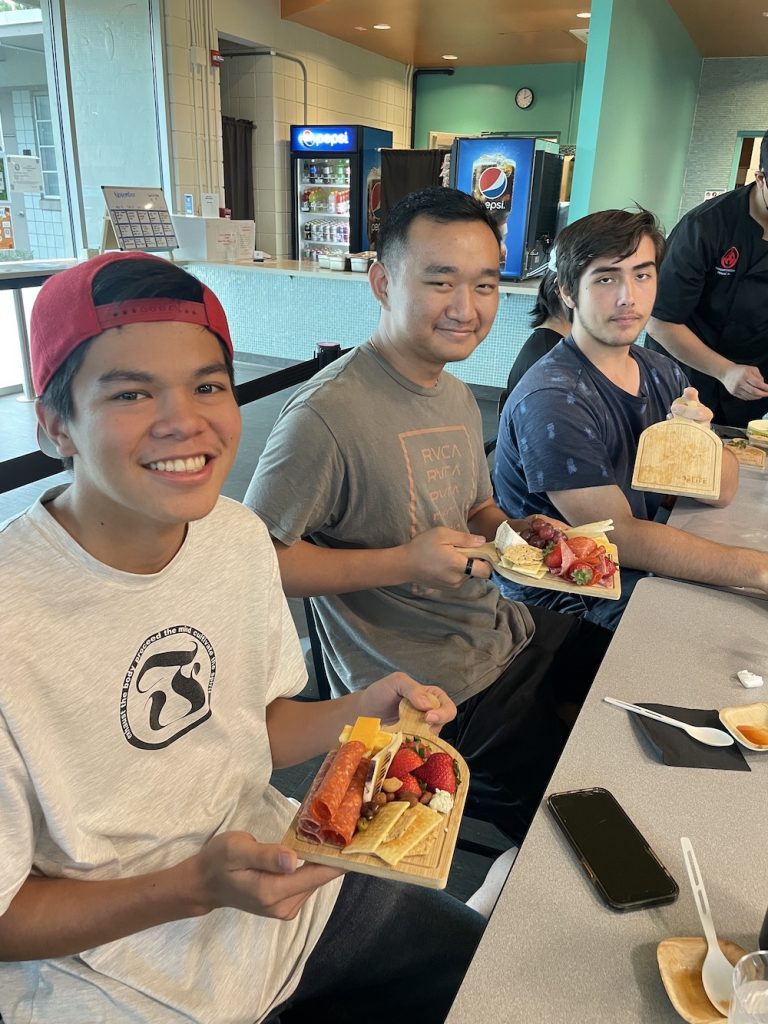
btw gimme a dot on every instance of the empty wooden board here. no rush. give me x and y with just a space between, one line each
679 456
428 867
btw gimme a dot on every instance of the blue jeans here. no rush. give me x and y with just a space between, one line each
594 609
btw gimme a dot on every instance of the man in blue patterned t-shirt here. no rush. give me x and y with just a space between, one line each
569 431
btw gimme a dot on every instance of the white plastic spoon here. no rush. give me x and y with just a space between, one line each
702 733
717 970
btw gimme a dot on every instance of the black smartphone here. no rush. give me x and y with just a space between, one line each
617 857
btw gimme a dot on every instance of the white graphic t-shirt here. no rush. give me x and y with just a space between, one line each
132 729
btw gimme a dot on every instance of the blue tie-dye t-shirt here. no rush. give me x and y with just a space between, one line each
566 426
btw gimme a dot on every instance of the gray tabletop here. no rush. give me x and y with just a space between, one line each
744 522
552 951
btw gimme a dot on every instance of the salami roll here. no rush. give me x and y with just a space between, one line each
341 827
331 790
307 827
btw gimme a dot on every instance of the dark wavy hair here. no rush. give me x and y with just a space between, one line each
613 234
764 154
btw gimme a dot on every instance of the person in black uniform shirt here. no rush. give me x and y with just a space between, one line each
551 323
711 312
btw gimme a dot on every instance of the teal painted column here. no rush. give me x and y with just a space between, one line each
638 101
592 91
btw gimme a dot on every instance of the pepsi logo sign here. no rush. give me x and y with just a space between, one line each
307 138
492 182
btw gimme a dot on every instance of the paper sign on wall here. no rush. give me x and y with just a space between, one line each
25 174
6 228
209 204
3 180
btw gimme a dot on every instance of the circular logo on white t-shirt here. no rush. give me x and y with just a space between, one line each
167 689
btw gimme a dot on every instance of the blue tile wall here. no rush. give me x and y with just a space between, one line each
733 97
283 315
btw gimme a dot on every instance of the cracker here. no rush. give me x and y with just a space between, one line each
378 828
421 821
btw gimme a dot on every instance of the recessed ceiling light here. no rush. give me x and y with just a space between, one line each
450 56
360 28
382 27
584 14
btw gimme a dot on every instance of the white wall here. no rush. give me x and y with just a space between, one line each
346 84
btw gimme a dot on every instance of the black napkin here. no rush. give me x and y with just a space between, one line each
679 750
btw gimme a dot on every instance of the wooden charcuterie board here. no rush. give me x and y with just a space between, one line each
678 456
489 554
429 868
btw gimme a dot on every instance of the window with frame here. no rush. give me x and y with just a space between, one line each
45 146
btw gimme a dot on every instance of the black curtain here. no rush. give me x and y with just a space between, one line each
407 170
238 166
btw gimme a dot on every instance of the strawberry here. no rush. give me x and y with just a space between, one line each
410 785
417 744
404 761
439 771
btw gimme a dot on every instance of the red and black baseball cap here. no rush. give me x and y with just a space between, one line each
64 316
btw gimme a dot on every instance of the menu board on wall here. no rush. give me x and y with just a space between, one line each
140 218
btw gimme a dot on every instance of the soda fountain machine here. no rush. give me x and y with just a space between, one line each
518 180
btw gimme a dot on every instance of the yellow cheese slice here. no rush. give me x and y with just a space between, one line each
381 738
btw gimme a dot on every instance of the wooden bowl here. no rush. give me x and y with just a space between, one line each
745 714
680 961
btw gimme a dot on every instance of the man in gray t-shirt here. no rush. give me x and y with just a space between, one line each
379 461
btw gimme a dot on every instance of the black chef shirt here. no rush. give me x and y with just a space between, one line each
714 279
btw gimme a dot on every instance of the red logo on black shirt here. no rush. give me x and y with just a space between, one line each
729 259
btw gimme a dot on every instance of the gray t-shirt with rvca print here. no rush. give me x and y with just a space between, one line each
361 457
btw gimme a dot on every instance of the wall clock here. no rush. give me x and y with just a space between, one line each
524 98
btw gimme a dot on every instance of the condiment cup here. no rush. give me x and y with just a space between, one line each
751 715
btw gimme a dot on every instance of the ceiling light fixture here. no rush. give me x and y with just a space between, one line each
382 27
360 28
584 14
450 56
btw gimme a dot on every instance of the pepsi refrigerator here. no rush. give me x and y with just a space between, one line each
518 180
336 188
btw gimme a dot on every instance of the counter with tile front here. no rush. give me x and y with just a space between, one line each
280 309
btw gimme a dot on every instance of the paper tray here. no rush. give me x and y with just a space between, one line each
429 869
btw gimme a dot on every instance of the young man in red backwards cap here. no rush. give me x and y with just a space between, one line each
148 654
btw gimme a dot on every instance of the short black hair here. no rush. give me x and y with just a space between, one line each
548 302
443 205
764 154
120 282
615 234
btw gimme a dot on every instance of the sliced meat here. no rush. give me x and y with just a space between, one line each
335 782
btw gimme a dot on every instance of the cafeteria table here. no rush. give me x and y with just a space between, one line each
552 952
744 522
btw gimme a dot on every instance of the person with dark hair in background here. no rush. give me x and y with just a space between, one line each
379 460
569 431
551 323
148 661
711 311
